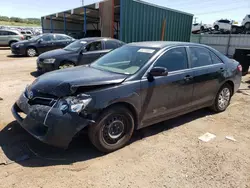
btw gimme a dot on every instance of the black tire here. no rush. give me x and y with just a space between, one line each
66 64
202 28
113 129
216 106
31 52
216 27
247 26
11 42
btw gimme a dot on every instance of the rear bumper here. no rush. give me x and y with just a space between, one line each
48 124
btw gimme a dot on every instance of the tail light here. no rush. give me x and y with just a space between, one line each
239 67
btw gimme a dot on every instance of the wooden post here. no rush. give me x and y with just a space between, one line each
163 29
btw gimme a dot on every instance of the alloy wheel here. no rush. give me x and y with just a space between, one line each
224 98
31 52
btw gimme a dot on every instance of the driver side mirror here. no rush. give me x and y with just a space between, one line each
157 71
83 50
40 40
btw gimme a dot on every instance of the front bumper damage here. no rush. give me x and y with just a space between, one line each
48 123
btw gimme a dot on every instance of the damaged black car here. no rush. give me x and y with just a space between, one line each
132 87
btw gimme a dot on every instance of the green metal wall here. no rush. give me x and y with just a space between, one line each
141 21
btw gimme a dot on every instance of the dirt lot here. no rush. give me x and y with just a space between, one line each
165 155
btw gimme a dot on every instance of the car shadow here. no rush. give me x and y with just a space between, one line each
36 74
20 147
16 56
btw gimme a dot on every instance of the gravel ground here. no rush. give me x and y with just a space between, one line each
165 155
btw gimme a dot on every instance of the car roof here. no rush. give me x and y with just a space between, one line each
163 44
15 31
89 39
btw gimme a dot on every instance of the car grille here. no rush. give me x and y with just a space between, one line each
42 101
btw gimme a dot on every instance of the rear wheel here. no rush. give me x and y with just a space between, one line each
113 130
31 52
65 65
223 98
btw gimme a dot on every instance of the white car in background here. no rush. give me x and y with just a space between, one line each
222 24
246 22
198 27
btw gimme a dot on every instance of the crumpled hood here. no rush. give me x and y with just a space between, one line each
61 82
55 53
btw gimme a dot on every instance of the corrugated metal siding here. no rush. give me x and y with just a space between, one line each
222 43
143 22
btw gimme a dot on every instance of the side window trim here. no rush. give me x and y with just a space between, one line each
165 51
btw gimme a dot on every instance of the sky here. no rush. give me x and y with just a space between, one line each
205 11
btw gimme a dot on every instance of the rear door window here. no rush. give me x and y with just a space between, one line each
62 37
111 44
215 59
200 57
11 33
48 38
174 59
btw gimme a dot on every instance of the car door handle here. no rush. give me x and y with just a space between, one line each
188 77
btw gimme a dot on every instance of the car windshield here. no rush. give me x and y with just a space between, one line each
75 46
125 60
35 38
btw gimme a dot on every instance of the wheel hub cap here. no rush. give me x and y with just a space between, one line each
116 129
32 52
224 98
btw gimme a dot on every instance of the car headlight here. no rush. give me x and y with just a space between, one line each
19 45
49 60
75 104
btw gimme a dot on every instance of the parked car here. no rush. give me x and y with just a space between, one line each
9 37
40 44
134 86
79 52
222 24
198 27
28 34
246 22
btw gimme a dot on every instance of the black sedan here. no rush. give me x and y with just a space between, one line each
79 52
40 44
132 87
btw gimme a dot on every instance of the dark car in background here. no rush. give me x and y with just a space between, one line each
40 44
134 86
80 52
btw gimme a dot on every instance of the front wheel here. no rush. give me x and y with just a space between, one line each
113 130
223 98
216 28
31 52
